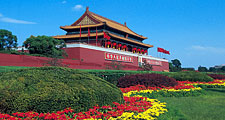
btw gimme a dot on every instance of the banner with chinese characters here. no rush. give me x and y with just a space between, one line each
118 57
153 62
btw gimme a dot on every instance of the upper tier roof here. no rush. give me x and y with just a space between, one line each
97 20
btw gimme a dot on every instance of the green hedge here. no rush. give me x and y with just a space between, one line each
148 80
112 76
191 76
49 89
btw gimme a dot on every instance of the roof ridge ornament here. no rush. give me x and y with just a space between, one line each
125 24
87 8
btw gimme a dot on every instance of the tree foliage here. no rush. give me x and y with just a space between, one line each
146 66
45 45
7 40
175 65
202 69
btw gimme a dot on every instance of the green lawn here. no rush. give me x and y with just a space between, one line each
10 68
205 107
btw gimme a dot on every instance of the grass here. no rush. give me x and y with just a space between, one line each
210 106
10 68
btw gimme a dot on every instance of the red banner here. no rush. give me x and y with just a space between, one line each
106 36
88 32
117 57
163 50
160 49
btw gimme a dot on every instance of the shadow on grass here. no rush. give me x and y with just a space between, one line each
215 90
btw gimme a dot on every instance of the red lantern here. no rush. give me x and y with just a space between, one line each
108 42
114 44
146 51
119 45
138 49
124 46
134 48
142 50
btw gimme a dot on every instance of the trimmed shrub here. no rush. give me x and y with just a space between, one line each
152 80
112 76
217 76
191 76
49 89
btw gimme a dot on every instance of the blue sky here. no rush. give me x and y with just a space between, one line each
192 30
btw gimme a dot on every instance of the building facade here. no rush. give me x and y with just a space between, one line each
98 41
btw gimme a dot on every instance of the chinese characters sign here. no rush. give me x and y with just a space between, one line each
117 57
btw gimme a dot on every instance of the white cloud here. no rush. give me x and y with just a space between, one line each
77 7
64 2
208 49
11 20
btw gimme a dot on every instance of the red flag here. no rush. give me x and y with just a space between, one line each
163 50
106 36
80 30
88 32
160 50
167 52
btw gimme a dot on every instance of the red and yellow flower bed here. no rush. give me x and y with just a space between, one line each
214 84
179 90
134 107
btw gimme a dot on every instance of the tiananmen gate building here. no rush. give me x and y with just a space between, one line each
96 41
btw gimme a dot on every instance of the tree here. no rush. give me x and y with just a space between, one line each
212 69
222 69
175 65
202 69
45 45
146 66
7 40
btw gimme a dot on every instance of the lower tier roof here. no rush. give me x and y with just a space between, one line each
101 34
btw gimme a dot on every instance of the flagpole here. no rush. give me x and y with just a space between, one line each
80 32
88 34
96 36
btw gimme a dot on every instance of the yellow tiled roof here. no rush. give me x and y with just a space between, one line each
82 26
115 25
77 35
129 40
101 20
101 34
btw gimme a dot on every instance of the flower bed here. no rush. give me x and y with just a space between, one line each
134 107
153 92
138 104
217 76
213 84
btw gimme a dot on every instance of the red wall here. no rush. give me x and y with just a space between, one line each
78 58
